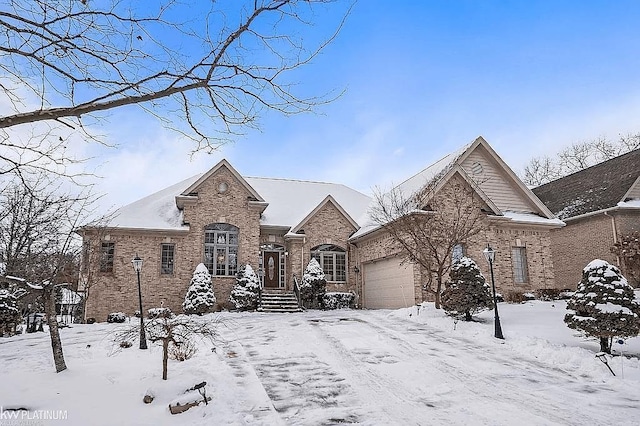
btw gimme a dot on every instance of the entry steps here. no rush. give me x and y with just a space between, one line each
278 301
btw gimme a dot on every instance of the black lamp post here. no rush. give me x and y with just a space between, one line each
137 266
490 255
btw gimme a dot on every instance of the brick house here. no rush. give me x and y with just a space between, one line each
598 204
516 224
224 220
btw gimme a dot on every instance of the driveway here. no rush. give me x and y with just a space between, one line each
367 367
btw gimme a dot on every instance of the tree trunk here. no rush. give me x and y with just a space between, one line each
438 290
52 322
467 316
605 344
165 357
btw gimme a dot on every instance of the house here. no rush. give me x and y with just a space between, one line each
224 220
598 204
516 224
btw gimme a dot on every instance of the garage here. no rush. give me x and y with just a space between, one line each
388 284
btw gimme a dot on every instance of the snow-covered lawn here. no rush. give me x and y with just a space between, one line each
406 367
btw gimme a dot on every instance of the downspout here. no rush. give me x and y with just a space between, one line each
614 228
304 241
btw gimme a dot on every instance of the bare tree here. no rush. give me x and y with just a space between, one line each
207 72
627 249
426 226
576 157
37 236
169 329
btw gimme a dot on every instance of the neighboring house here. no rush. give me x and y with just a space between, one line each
224 220
598 204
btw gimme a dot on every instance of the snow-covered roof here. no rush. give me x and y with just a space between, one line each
290 201
69 297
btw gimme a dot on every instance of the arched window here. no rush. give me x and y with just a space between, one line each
333 260
221 249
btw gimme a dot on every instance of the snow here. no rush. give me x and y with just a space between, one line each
405 367
611 308
531 218
159 210
630 204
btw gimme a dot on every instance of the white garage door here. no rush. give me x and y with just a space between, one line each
388 285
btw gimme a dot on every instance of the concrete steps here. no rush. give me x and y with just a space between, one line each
278 301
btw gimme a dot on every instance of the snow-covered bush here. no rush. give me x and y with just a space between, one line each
313 285
9 313
200 298
244 295
159 313
338 300
467 292
604 305
116 317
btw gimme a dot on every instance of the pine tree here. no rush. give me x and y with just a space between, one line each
200 298
604 305
244 294
466 293
313 285
9 313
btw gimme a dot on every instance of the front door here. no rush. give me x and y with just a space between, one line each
271 266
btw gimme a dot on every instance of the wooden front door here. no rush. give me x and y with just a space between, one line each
271 267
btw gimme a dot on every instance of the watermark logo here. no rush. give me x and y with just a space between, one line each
23 416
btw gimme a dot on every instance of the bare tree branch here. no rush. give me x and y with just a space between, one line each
208 78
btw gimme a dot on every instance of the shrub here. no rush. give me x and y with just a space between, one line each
199 298
244 295
548 294
337 300
91 320
313 285
154 313
116 317
515 297
466 292
126 344
604 305
183 351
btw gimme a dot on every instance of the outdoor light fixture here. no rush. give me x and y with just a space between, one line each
137 266
490 255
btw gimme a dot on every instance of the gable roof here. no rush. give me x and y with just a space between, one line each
440 172
593 189
223 163
287 202
328 199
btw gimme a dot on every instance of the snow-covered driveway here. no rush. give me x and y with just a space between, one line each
369 367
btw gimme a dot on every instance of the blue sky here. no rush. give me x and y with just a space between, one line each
422 78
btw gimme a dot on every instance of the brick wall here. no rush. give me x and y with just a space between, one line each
577 244
117 291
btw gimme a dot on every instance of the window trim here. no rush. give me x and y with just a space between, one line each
107 258
520 264
331 251
172 261
215 246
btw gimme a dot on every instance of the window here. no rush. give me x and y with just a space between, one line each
457 253
519 260
167 259
107 251
221 249
333 261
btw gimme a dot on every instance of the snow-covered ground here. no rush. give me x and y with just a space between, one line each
406 367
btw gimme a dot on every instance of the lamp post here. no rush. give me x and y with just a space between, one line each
490 255
137 266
